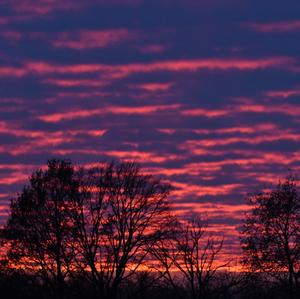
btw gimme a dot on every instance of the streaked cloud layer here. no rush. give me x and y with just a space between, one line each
203 93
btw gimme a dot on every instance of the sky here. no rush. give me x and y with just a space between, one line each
203 93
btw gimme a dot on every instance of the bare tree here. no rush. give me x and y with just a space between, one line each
120 217
193 254
40 223
271 233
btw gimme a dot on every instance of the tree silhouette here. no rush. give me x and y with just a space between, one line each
271 233
194 253
122 214
39 227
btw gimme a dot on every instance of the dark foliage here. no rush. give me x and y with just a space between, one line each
93 226
107 232
271 234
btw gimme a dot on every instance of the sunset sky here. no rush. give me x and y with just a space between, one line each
204 93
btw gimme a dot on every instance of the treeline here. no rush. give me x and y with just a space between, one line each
108 232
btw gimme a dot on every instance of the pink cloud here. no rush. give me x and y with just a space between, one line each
167 131
285 26
153 49
267 127
283 93
14 130
197 64
154 87
214 210
142 110
141 156
77 95
194 145
31 9
11 35
209 113
245 107
4 20
251 160
120 71
76 82
42 7
186 190
13 178
7 71
287 109
37 142
89 39
138 156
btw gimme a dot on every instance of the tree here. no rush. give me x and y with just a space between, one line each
121 214
98 224
271 233
196 256
40 224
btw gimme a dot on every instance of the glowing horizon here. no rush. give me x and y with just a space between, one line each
204 94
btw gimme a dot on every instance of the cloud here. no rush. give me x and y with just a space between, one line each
284 26
11 35
287 93
186 190
91 39
193 145
213 210
249 107
82 113
119 71
210 113
43 7
153 49
153 87
6 128
76 82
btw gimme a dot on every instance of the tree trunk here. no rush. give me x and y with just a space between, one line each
60 280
